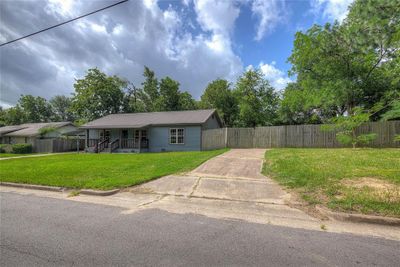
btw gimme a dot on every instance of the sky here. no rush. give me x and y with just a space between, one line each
192 41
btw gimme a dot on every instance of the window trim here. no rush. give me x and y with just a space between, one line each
176 136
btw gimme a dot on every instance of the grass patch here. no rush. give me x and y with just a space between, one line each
352 180
100 171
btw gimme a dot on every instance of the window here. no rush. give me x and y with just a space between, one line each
176 136
144 134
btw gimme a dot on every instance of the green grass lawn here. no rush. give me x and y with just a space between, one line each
100 171
353 180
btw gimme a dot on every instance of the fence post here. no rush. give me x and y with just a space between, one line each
226 137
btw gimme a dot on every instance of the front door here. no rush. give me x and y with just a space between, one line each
108 134
105 134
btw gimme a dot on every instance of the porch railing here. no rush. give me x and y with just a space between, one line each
134 143
102 145
114 145
93 142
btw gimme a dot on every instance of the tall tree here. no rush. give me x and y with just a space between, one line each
12 116
169 95
258 101
346 65
61 107
97 95
35 109
186 101
218 95
151 91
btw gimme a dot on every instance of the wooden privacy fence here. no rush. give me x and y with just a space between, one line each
294 136
57 145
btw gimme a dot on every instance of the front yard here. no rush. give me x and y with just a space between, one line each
100 171
352 180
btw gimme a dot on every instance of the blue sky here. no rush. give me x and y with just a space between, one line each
192 41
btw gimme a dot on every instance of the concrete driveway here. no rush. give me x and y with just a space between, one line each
234 175
228 186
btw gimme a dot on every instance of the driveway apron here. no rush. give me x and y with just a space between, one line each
234 175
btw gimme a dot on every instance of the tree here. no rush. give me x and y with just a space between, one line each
297 107
35 109
258 101
218 95
393 114
169 95
150 93
186 101
46 130
349 65
61 108
97 95
345 127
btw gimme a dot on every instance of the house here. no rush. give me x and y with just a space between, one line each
27 133
157 131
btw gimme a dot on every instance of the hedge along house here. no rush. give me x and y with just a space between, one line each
27 133
150 132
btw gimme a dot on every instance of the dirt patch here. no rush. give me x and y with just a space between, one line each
298 202
374 183
380 189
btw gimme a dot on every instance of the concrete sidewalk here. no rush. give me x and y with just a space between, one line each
38 155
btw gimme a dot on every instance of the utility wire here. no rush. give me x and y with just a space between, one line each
65 22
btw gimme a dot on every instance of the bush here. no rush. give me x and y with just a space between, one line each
22 148
2 148
5 148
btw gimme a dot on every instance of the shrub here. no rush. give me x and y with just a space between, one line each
22 148
5 148
346 126
2 148
46 130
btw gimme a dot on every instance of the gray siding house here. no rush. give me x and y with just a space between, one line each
150 132
27 133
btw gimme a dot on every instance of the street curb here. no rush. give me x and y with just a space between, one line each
31 186
351 217
62 189
98 193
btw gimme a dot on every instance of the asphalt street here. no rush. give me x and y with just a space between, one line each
40 231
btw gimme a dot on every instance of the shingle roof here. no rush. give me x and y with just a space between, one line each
7 129
32 129
139 120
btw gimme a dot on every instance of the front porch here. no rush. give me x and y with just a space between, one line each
117 140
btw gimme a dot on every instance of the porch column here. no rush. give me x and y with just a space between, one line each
120 138
87 138
140 140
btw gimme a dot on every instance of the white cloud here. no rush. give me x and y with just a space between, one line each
120 41
332 9
269 13
277 78
217 16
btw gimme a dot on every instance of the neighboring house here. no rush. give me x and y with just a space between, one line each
28 132
158 131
